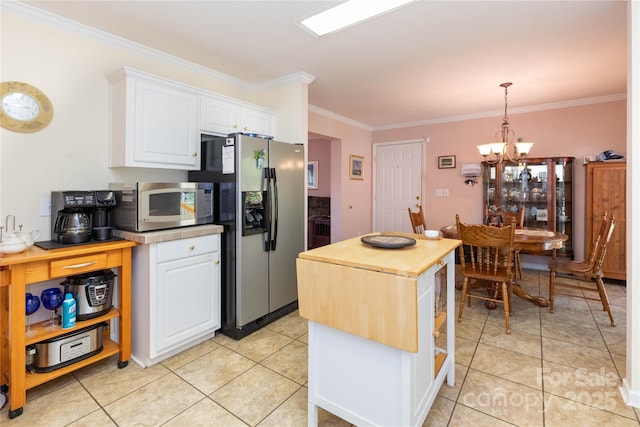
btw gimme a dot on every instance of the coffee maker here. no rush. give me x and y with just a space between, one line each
77 216
105 201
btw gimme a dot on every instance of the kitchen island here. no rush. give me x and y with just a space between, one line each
374 317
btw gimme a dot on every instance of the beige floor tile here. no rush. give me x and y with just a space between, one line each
519 341
260 344
291 325
599 390
466 417
190 355
97 418
524 317
440 412
222 339
291 361
464 349
110 383
206 413
621 364
155 403
616 343
215 369
562 412
576 356
50 386
304 338
452 393
503 399
575 334
293 412
255 394
510 365
469 329
58 408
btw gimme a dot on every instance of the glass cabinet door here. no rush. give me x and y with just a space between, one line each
543 187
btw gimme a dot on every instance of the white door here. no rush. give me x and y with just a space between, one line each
397 184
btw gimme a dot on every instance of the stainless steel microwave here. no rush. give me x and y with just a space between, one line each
146 206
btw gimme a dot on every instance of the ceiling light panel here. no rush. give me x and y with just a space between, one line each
349 13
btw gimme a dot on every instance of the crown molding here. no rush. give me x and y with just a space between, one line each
338 117
512 111
50 19
299 77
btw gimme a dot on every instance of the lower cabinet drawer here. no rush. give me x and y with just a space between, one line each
178 249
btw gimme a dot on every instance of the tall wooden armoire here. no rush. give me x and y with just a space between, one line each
606 191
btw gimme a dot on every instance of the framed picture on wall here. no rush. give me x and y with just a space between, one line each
356 164
446 162
312 175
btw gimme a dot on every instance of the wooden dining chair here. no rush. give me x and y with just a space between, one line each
501 218
488 262
417 221
587 271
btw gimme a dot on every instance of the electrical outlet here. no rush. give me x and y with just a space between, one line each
45 206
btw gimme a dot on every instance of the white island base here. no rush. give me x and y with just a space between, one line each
362 380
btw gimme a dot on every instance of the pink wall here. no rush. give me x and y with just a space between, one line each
320 151
576 131
350 199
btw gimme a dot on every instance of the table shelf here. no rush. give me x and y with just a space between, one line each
36 265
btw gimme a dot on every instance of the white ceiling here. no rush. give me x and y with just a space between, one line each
425 62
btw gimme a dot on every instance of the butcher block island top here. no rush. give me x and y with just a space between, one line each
368 291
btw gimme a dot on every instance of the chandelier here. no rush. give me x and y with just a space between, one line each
505 148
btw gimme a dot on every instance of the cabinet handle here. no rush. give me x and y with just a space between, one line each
194 154
441 262
86 264
246 128
216 262
192 247
235 126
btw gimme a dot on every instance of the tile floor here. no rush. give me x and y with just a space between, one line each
559 369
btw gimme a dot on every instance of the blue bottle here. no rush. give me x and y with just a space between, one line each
68 312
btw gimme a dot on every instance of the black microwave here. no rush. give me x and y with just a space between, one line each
147 206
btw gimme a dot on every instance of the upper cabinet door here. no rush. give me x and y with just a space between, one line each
218 116
223 116
154 123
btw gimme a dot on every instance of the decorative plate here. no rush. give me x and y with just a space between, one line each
388 242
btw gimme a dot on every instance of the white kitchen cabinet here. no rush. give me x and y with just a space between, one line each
223 116
176 297
153 122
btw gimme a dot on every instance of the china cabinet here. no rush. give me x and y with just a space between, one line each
605 191
542 186
18 271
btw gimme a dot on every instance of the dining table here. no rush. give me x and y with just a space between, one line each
531 240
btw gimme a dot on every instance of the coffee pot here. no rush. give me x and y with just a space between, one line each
73 226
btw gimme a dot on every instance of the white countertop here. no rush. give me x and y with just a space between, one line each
170 234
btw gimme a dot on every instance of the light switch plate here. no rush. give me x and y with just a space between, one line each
45 206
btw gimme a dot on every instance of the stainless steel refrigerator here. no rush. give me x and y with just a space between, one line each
259 200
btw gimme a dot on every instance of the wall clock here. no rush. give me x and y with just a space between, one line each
24 108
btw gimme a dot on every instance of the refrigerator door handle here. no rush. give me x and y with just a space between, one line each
266 182
275 209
